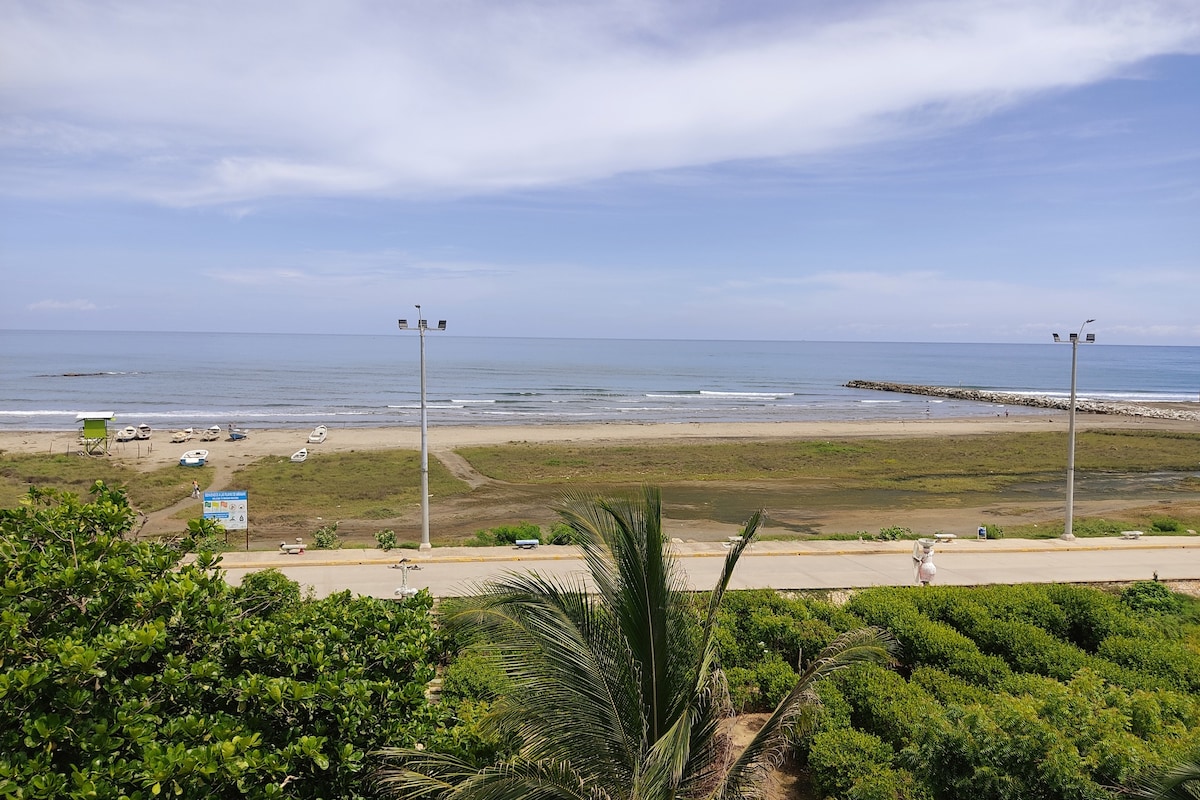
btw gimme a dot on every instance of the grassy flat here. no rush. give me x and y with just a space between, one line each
148 491
367 485
934 464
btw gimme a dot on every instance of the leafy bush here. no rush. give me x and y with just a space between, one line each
1166 524
326 537
509 534
840 758
266 592
473 676
925 641
204 536
505 534
883 703
155 678
993 532
894 533
563 534
1151 596
1172 661
386 539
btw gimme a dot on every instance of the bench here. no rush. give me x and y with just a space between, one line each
945 537
292 549
527 544
1130 534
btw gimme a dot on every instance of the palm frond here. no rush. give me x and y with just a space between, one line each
420 775
864 645
1179 782
639 584
570 670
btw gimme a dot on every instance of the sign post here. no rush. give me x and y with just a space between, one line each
228 509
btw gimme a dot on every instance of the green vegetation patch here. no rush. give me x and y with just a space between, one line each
371 484
930 464
148 491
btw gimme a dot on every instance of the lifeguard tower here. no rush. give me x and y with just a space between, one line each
93 431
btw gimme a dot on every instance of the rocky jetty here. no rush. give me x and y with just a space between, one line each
1164 411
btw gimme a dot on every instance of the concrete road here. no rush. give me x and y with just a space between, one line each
449 572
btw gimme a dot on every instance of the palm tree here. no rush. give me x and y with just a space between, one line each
1181 781
616 688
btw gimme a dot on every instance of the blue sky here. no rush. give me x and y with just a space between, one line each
892 171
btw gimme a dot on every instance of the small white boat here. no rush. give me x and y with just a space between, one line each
211 434
193 458
318 435
143 431
300 455
127 434
182 436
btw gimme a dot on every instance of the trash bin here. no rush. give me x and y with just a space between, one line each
982 532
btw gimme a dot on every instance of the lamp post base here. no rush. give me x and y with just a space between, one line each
1068 537
428 546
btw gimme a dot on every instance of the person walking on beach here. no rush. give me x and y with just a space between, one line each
195 489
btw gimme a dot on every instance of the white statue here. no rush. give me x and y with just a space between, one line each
923 567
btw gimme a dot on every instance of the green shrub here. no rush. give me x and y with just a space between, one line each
204 536
893 533
839 758
775 679
883 703
924 641
386 539
993 532
888 784
1151 596
510 534
266 592
1166 524
326 537
1172 661
473 676
743 689
563 534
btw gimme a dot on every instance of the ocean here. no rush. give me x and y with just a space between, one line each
176 380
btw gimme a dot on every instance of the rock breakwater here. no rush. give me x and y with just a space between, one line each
1036 401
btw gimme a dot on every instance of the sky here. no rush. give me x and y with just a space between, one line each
983 171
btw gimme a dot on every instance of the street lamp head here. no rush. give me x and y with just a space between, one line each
1091 337
1055 335
441 324
404 325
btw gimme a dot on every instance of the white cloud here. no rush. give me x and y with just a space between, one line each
223 102
62 305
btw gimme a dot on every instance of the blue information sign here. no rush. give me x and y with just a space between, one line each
227 508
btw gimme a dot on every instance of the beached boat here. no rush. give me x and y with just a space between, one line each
193 458
143 431
237 433
300 455
318 435
182 436
211 433
127 434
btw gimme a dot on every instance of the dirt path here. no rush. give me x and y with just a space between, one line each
461 468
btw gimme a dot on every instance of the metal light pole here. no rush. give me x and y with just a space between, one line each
1069 525
422 325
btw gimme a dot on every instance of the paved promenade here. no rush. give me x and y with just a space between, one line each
451 571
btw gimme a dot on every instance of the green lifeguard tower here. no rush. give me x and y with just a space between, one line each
93 431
